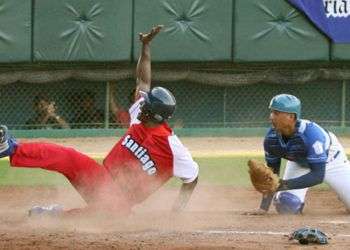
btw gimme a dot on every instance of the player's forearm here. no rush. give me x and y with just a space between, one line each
314 177
184 195
266 202
143 68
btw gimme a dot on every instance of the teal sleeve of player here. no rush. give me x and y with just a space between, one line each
314 177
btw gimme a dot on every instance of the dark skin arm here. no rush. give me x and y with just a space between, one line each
143 68
184 196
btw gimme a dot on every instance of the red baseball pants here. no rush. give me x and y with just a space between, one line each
92 180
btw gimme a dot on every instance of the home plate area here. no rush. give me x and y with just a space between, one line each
214 219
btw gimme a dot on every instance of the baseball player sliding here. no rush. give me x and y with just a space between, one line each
146 157
313 155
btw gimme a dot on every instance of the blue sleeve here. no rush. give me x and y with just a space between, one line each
272 161
314 177
317 141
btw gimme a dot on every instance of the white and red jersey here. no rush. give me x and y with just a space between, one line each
146 157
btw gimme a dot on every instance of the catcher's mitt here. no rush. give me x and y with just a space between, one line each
309 235
262 177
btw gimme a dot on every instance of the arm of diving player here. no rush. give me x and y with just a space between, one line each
143 68
184 195
186 169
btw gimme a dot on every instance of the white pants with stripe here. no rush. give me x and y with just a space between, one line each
337 174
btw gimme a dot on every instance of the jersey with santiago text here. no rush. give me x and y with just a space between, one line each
145 158
308 145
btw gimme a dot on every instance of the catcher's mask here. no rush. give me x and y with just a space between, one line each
286 103
288 203
159 105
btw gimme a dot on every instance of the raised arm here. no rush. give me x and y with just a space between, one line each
143 68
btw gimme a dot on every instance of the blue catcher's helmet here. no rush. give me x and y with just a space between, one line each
288 203
286 103
159 104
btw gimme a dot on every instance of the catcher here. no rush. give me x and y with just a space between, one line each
313 155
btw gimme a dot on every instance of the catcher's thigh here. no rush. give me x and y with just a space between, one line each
293 170
338 172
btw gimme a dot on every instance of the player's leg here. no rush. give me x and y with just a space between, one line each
91 180
291 201
338 178
338 172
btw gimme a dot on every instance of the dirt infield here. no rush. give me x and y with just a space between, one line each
213 220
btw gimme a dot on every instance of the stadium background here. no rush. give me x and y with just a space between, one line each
224 60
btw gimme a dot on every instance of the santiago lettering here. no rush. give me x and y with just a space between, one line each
141 154
337 8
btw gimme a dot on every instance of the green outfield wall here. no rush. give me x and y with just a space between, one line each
195 30
223 59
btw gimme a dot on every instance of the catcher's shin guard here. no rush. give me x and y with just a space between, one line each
7 142
288 203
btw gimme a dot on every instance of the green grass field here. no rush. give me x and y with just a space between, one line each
218 170
227 170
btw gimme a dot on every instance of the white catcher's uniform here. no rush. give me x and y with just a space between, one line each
311 144
337 173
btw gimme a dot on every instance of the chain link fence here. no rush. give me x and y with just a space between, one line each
101 104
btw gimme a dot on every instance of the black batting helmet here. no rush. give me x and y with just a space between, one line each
159 104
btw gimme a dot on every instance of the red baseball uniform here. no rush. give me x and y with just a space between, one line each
142 160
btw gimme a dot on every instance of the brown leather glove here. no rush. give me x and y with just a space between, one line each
263 178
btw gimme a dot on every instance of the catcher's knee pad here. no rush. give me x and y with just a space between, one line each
288 203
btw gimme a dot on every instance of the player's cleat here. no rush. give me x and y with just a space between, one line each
7 142
52 210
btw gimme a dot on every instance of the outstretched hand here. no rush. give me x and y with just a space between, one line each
147 37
